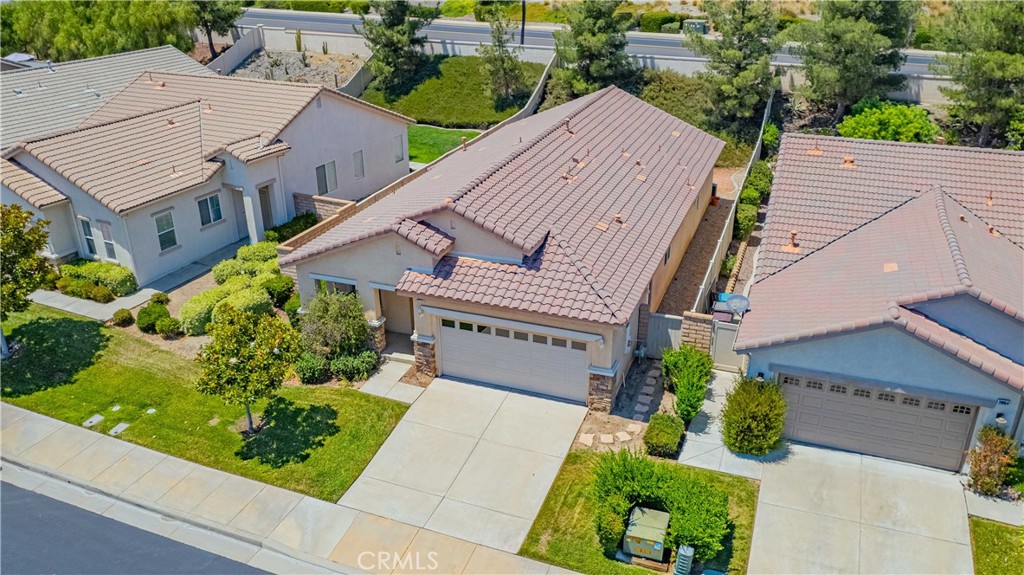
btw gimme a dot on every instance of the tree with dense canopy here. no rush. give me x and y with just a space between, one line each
247 358
500 60
395 41
739 63
22 266
216 16
593 48
875 120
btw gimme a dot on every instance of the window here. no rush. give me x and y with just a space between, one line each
165 231
811 384
962 409
447 323
357 164
326 178
486 329
399 149
108 240
579 346
540 339
521 336
465 326
836 388
209 210
559 342
862 393
936 405
790 380
327 286
886 397
500 332
911 401
90 245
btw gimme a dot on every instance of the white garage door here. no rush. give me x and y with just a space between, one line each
532 362
865 419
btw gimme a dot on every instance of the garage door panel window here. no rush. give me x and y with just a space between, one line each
465 326
865 393
790 380
887 397
559 342
501 332
911 402
811 384
836 388
936 405
963 409
541 339
579 346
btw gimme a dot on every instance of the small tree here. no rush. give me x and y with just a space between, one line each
991 460
889 121
394 41
594 47
334 324
216 16
23 268
739 63
754 416
247 358
500 60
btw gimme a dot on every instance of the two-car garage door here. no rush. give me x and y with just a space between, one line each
876 421
533 362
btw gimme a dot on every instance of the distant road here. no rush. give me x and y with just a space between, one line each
640 43
46 536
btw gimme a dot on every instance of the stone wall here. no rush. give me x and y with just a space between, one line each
697 330
426 364
323 206
600 396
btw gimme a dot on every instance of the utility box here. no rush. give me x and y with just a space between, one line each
645 534
695 25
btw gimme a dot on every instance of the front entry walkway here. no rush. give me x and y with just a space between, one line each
469 461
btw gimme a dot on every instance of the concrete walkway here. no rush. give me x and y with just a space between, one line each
88 308
231 515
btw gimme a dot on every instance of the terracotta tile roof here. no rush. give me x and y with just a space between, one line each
234 109
130 162
929 247
562 177
49 101
28 186
254 148
814 194
424 235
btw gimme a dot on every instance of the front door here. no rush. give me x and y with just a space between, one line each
265 211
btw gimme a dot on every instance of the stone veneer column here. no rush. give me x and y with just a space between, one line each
599 398
379 339
426 362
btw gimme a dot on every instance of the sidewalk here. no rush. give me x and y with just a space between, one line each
246 518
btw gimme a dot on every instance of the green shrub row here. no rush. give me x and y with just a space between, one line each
84 289
252 300
746 219
664 432
687 371
251 260
150 315
754 416
291 307
278 287
290 229
653 21
312 368
118 279
355 367
197 312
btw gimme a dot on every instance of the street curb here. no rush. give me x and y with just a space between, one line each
181 517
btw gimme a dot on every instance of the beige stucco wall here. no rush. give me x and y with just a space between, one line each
472 240
663 276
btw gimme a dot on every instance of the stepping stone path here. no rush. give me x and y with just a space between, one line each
93 420
587 439
633 428
120 427
622 436
638 418
606 439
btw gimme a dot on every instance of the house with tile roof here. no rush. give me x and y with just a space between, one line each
527 258
889 300
173 166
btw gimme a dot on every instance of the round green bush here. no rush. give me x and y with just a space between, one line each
653 21
663 435
149 315
291 307
119 279
279 287
750 197
197 312
75 287
312 368
227 269
249 300
746 219
101 294
160 298
770 140
168 327
610 529
355 367
760 179
123 318
753 417
261 252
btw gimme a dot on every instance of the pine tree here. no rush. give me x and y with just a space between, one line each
500 61
594 47
395 41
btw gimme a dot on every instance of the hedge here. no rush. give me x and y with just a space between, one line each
261 252
168 327
760 179
279 287
355 367
653 21
687 371
746 219
311 368
291 307
197 312
663 435
289 230
252 300
750 197
150 315
228 269
753 416
118 279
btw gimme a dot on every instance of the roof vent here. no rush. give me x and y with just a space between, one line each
815 151
171 123
40 86
625 154
963 218
449 200
567 129
617 218
174 172
641 177
992 231
149 76
890 267
848 162
793 246
50 68
161 85
209 108
640 164
988 202
17 92
601 226
676 133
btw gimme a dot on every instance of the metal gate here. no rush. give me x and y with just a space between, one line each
723 336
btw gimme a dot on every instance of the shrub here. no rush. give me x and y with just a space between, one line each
760 179
279 287
101 294
876 120
700 517
770 140
292 228
252 300
355 367
334 324
168 327
991 460
750 197
611 527
727 266
670 28
197 312
119 279
746 218
291 307
80 288
753 417
457 8
311 368
687 371
149 315
663 435
261 252
227 269
160 298
50 279
653 21
123 318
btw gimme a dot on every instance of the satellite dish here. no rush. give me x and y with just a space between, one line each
738 304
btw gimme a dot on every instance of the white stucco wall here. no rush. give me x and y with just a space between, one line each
62 238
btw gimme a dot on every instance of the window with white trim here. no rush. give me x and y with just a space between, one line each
90 244
399 146
357 164
209 210
165 231
108 239
326 178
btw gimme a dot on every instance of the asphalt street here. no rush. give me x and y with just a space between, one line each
536 35
41 535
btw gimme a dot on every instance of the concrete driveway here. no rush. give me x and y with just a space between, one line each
824 511
469 461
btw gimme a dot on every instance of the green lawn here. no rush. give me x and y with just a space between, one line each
452 92
428 143
564 534
317 441
998 548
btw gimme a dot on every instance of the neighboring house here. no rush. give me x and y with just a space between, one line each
889 299
529 258
176 166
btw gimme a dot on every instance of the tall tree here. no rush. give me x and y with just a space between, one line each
247 358
594 47
842 60
62 30
739 64
22 268
500 60
987 66
216 16
395 41
892 19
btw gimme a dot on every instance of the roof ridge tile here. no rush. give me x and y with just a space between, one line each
954 244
